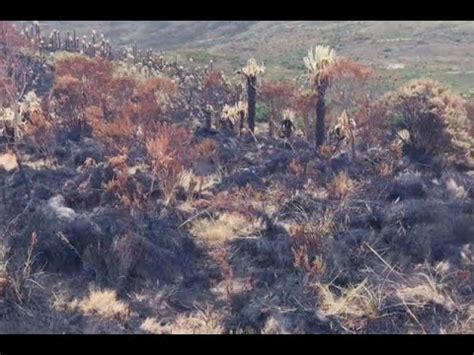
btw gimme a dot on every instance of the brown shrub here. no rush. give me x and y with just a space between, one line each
117 134
41 127
15 59
327 151
94 73
206 148
304 103
216 90
434 116
372 122
124 186
213 79
168 151
314 234
69 103
156 99
296 168
340 185
277 96
86 93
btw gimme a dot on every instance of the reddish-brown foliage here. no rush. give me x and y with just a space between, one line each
295 167
277 96
117 134
10 35
128 191
69 102
168 151
372 125
206 148
99 86
41 128
85 92
95 74
216 91
213 80
304 104
348 89
116 108
156 99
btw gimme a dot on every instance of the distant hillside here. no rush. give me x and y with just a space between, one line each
439 49
163 35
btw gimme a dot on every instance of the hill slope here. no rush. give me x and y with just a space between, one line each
439 49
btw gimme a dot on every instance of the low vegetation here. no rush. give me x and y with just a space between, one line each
138 195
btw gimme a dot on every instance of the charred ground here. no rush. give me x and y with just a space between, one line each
123 210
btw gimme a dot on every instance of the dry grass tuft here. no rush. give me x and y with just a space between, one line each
150 325
326 151
103 303
296 167
357 301
200 322
315 268
423 292
314 233
47 163
226 227
205 321
8 162
341 185
3 270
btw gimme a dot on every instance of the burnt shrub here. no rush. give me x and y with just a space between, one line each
431 120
